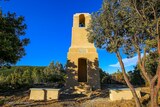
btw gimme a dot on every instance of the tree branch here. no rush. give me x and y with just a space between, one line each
142 67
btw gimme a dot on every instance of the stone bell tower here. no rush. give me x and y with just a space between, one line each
82 64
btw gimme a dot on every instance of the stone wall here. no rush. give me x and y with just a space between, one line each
125 94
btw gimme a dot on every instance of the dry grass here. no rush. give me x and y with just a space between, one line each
97 99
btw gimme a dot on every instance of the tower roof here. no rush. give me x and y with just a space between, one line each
77 14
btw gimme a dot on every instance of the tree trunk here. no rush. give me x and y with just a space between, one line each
153 94
158 71
157 87
156 98
137 101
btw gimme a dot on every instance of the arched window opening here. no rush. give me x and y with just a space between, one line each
81 20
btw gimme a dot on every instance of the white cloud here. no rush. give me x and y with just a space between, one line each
127 62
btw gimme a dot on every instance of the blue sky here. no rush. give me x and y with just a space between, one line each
49 29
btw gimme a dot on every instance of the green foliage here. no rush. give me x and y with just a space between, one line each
27 77
118 77
11 42
105 78
136 77
128 25
131 26
24 77
54 72
2 101
106 27
151 63
115 78
6 71
38 76
140 26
